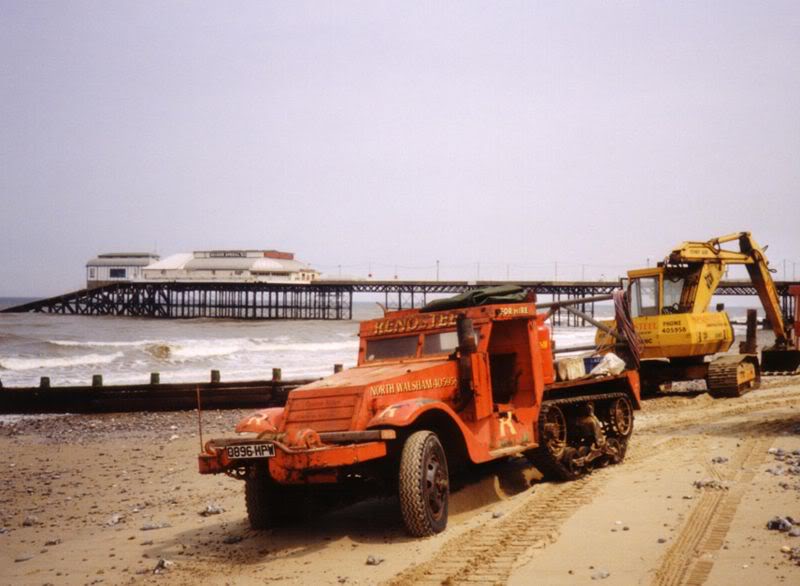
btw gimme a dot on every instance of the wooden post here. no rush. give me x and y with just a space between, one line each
750 345
276 375
338 368
215 376
97 380
44 382
155 378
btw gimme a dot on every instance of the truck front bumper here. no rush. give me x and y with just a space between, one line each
291 464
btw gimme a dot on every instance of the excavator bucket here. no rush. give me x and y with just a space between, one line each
780 359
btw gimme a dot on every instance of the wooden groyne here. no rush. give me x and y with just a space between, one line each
100 398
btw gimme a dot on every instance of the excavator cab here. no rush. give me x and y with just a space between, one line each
664 314
656 291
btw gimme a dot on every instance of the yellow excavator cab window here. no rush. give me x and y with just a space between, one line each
644 296
673 288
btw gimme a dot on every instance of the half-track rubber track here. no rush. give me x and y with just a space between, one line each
571 455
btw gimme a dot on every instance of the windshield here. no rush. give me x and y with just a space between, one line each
381 349
440 343
672 294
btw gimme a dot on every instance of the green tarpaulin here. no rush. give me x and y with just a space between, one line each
501 294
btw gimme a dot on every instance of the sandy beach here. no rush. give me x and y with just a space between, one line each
114 499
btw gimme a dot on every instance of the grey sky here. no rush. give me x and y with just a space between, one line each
517 133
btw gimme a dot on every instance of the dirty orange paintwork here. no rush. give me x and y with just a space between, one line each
296 465
409 370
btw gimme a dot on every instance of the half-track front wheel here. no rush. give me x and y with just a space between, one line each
424 485
259 497
270 504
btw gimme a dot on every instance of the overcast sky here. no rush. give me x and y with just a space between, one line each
510 134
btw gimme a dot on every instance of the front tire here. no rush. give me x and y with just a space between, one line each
259 498
270 504
424 484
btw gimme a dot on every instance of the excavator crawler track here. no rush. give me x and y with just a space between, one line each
733 375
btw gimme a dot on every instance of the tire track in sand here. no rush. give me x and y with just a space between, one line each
691 557
489 553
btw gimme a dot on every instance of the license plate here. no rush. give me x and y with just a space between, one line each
250 451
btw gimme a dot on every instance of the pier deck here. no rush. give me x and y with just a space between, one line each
321 300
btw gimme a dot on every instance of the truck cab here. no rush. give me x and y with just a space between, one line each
432 391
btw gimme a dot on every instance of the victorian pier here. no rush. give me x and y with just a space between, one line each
323 300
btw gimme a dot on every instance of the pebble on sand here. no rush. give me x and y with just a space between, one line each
163 565
710 483
154 526
782 524
30 521
231 539
211 509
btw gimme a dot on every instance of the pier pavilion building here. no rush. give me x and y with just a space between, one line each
117 267
251 266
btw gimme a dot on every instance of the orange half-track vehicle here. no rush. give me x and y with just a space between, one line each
434 389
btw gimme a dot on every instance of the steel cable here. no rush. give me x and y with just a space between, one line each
622 315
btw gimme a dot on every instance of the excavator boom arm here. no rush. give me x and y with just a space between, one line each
752 256
767 292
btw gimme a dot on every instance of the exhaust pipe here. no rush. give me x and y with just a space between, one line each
467 346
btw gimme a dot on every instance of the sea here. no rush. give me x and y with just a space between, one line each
70 349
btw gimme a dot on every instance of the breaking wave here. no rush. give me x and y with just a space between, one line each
92 344
206 349
159 351
197 348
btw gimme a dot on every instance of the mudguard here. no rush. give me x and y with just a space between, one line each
264 421
636 387
405 413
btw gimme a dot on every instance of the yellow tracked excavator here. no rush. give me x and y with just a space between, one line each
669 306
